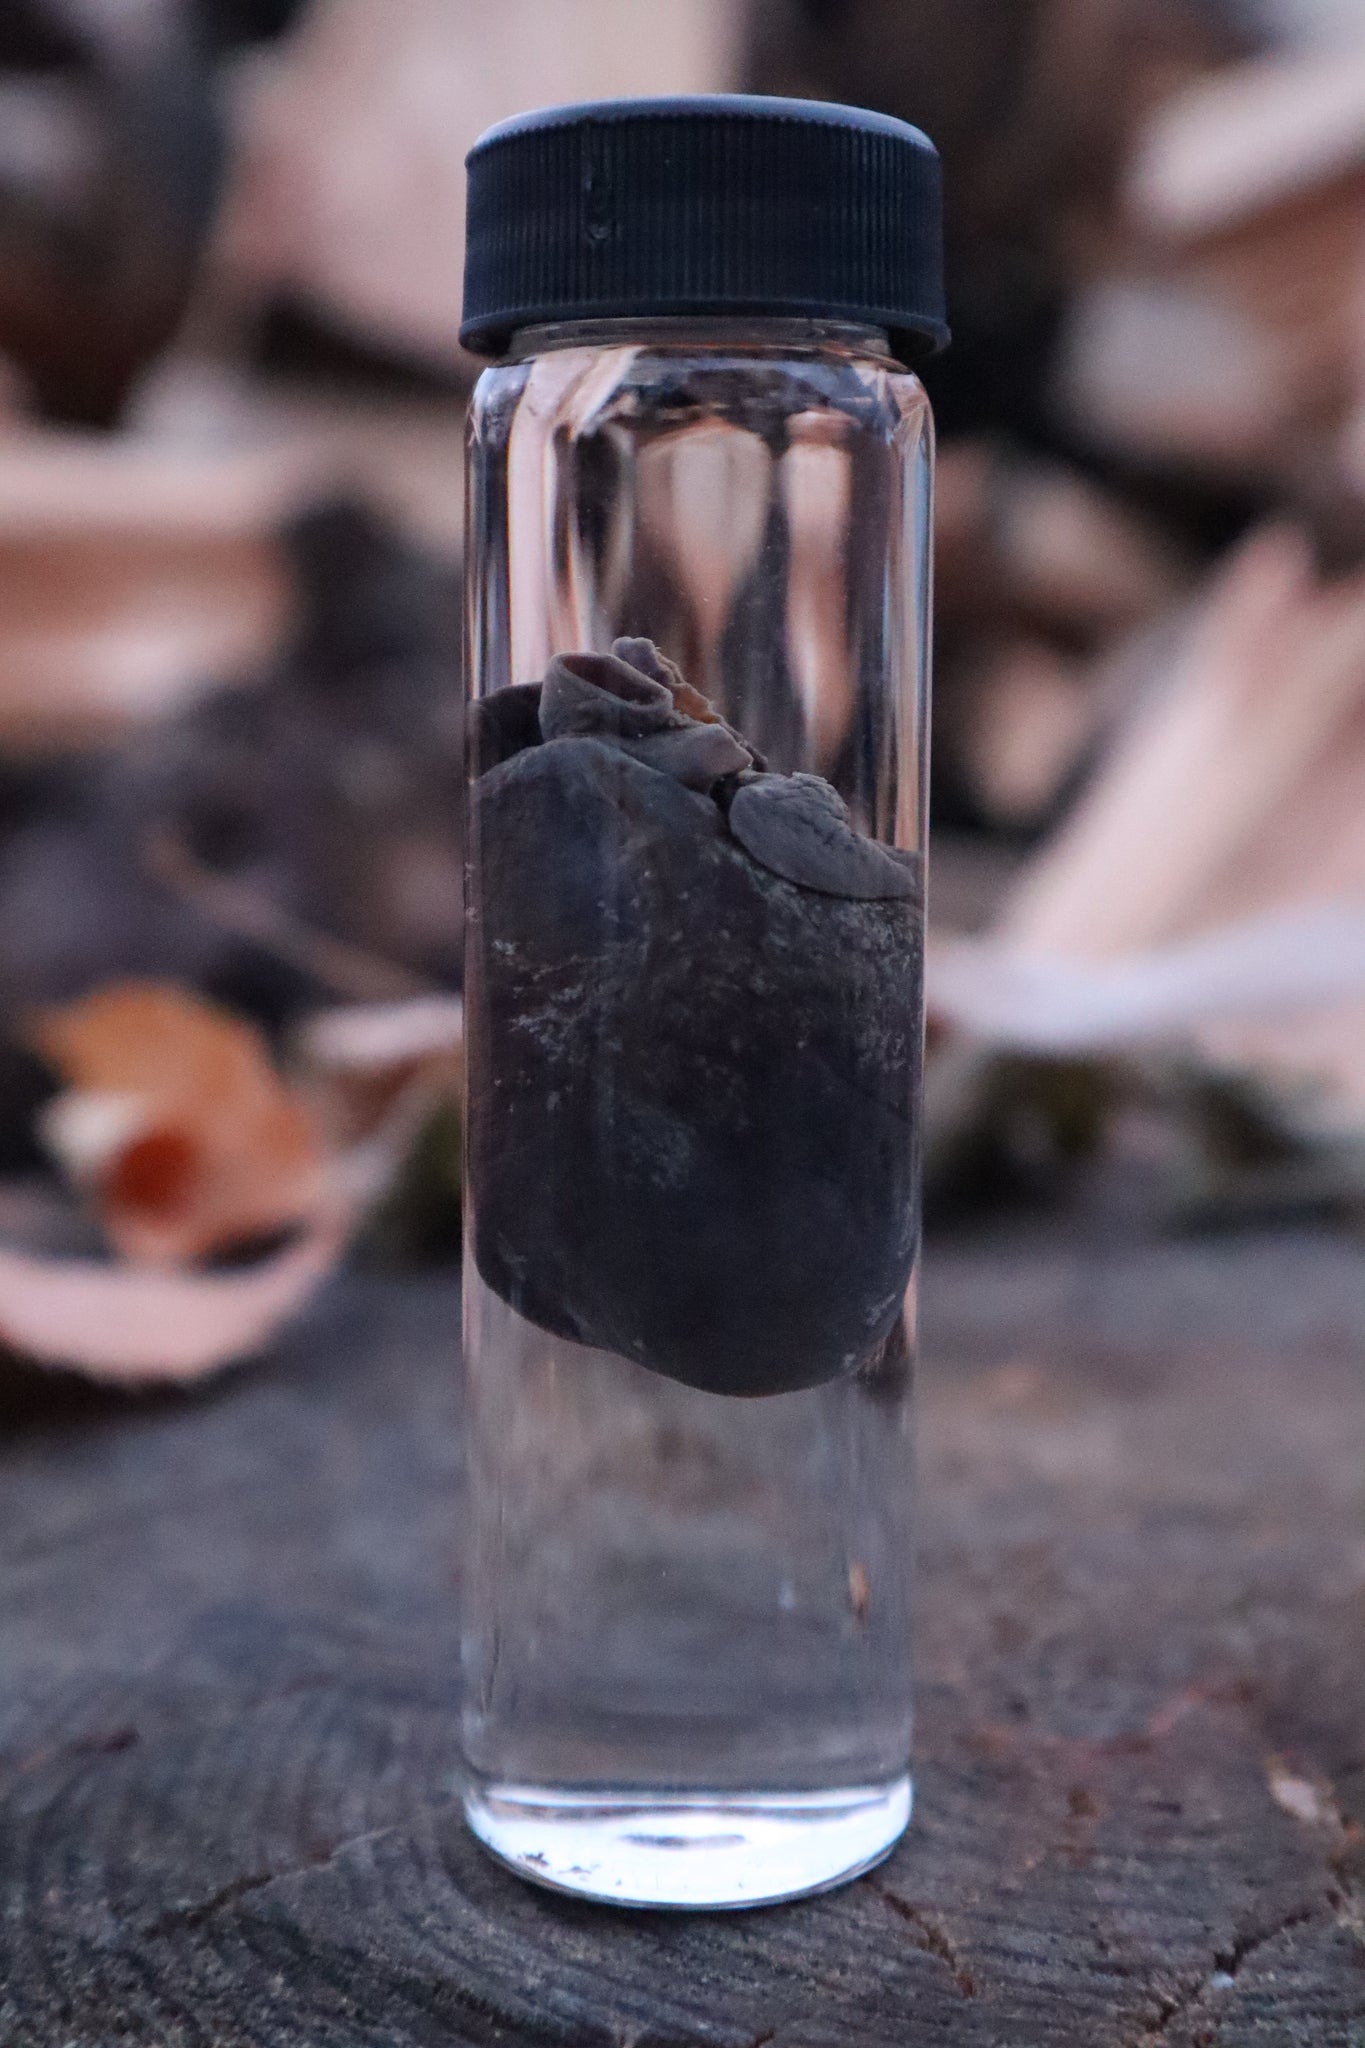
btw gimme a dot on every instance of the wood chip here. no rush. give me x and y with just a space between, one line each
1077 557
1271 666
1165 370
1032 714
1247 139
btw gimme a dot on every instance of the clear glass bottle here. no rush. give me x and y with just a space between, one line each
699 586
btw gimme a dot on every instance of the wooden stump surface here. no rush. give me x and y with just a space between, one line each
227 1685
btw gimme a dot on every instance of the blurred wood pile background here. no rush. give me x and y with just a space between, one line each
230 408
1150 686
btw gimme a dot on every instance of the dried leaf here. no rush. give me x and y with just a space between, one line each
177 1123
139 1326
190 1139
381 1067
376 1038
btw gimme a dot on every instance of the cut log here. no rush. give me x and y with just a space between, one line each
228 1655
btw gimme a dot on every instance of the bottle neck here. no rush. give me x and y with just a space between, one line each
777 335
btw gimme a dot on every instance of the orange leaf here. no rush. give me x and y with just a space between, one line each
177 1123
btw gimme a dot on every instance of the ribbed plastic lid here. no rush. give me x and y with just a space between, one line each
721 205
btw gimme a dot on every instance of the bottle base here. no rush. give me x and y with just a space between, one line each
694 1851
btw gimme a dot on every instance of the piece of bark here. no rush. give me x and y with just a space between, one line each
742 1049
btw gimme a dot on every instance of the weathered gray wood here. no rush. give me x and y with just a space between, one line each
227 1651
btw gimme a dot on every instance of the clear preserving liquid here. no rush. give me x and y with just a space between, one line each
686 1637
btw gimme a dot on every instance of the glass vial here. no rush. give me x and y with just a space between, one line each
699 492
